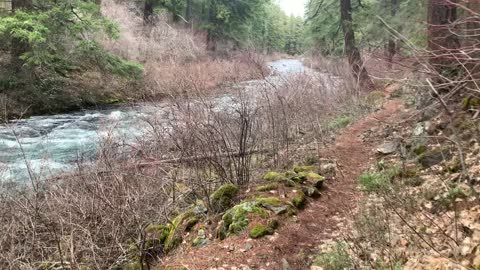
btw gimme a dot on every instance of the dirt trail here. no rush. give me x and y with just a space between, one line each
319 221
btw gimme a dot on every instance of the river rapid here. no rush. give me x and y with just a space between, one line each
51 144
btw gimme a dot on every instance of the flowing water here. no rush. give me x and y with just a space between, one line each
51 144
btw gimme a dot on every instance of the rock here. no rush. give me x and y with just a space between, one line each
312 192
201 239
299 200
285 265
434 157
235 220
314 267
260 231
278 210
328 170
388 148
246 247
476 261
419 129
273 204
200 208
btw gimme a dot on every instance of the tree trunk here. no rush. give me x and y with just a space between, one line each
392 44
188 14
442 41
211 41
211 33
352 52
148 12
21 4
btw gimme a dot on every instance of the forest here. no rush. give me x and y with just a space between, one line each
236 134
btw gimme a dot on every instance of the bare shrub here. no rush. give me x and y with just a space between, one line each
149 44
96 216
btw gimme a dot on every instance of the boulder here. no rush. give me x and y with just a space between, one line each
434 157
388 148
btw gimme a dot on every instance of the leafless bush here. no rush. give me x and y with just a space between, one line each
97 215
161 42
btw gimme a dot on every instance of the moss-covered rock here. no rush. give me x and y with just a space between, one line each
316 179
267 187
159 232
259 231
290 174
177 228
191 222
270 201
223 197
201 239
235 220
273 204
299 169
289 182
301 177
299 200
272 176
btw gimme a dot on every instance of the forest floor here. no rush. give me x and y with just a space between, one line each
295 242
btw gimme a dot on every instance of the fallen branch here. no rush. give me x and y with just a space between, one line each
199 158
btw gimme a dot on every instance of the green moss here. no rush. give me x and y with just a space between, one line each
299 200
191 222
299 169
289 182
300 177
271 176
235 220
290 174
260 231
268 187
174 237
470 102
222 198
316 179
160 231
270 201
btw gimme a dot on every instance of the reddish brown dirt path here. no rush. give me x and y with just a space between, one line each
319 221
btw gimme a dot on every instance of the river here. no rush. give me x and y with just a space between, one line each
51 144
